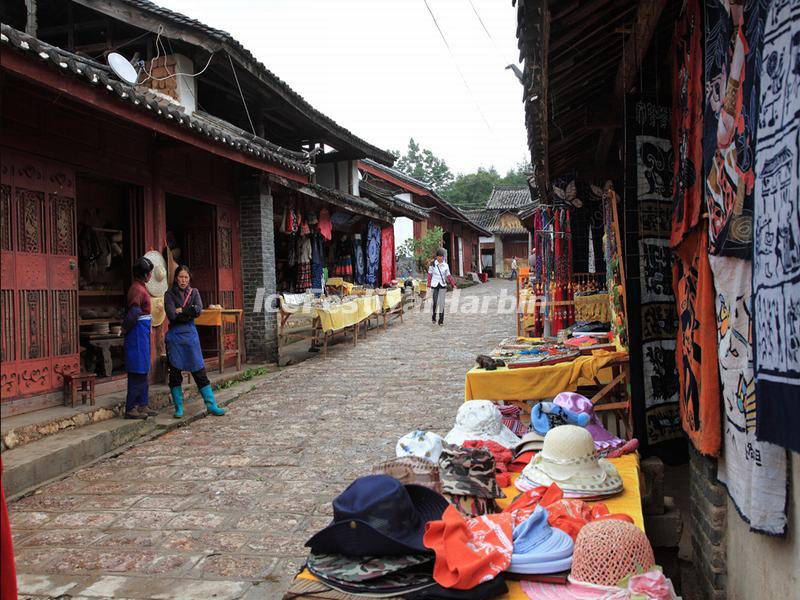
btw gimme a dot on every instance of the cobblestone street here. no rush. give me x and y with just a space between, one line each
223 507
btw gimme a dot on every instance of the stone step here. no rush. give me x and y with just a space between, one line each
32 465
26 428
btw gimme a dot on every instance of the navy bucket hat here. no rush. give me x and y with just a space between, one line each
377 516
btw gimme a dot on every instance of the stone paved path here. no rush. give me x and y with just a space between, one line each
223 507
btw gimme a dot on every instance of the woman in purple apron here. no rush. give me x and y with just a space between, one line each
136 326
183 305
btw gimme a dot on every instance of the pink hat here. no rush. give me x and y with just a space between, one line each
612 559
603 439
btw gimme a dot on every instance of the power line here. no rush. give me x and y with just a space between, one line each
455 63
489 35
244 102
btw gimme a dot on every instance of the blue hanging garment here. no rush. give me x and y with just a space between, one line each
359 268
373 253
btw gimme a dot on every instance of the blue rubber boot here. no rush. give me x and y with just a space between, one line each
208 397
177 400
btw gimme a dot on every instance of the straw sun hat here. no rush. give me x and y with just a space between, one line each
568 459
158 284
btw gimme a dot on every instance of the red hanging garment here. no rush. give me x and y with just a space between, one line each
388 260
8 576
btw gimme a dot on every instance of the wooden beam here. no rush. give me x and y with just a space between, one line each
648 13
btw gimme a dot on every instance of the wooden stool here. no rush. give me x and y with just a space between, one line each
81 385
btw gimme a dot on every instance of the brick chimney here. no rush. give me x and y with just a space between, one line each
181 88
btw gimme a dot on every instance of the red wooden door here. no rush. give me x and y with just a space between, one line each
225 262
39 276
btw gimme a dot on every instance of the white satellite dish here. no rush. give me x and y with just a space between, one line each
123 69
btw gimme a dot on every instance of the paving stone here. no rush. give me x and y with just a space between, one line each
222 508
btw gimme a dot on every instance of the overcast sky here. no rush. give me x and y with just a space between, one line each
380 69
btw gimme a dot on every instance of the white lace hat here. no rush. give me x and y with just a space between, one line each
567 458
481 420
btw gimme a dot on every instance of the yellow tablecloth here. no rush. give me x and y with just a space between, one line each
535 383
592 308
338 316
368 306
392 298
213 317
628 502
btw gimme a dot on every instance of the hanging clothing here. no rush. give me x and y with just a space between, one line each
304 254
754 471
776 270
325 224
373 253
8 576
359 262
183 342
733 63
687 121
696 348
388 259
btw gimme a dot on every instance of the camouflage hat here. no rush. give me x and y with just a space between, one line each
411 469
468 472
353 569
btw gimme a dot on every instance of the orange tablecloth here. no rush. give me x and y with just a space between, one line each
213 317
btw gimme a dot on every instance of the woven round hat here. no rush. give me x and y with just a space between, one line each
481 420
567 458
158 284
609 550
158 311
411 470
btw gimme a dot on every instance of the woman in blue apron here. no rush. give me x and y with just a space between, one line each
183 305
136 326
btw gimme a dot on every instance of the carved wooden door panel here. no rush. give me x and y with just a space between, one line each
39 276
201 256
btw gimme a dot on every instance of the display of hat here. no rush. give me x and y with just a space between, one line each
546 415
568 459
355 569
531 441
411 470
481 420
468 472
612 559
424 444
540 548
377 515
157 311
603 439
158 284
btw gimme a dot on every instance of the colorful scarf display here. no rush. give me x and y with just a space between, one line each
652 324
732 68
373 253
359 261
776 270
754 471
388 260
696 351
687 121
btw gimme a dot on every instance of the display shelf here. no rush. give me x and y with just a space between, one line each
93 321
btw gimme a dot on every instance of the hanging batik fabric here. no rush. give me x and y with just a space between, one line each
776 270
754 471
652 322
388 267
696 351
359 263
687 121
732 68
373 253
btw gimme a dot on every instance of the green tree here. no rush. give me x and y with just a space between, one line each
471 190
426 247
421 163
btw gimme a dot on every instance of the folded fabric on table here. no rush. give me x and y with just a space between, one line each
511 418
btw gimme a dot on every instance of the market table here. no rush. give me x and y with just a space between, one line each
628 502
217 317
392 304
536 383
339 282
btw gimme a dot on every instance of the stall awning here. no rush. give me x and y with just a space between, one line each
396 206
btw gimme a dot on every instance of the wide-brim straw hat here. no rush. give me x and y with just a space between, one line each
568 459
158 284
157 311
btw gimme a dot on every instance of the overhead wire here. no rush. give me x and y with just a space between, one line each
159 47
241 94
455 63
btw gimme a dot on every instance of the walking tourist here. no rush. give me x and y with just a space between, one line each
514 268
136 326
183 305
438 278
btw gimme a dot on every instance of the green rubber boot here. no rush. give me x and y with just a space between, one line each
177 399
208 397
